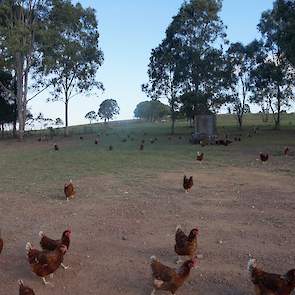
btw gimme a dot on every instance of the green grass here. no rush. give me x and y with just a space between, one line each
35 168
251 120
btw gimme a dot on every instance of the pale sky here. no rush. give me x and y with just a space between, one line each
129 30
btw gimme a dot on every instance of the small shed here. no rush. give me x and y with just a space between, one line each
206 124
205 128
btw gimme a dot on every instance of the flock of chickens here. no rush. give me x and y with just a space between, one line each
46 261
263 157
169 279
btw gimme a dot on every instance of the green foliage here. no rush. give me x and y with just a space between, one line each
152 110
247 109
91 116
187 60
273 79
200 67
71 54
194 104
284 13
58 122
162 78
70 47
21 25
242 60
108 109
7 112
43 121
8 108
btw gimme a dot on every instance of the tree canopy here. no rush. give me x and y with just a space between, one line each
284 14
108 109
54 45
152 110
53 41
187 60
8 107
273 78
242 60
21 25
71 53
91 116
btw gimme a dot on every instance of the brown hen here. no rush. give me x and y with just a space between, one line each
187 183
263 157
47 243
200 156
271 284
25 290
44 263
69 190
185 245
169 279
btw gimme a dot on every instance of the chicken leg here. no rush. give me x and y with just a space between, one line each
46 282
153 292
179 260
65 267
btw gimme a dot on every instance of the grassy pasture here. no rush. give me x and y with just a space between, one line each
79 158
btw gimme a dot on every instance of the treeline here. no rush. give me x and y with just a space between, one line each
198 70
8 108
152 110
48 44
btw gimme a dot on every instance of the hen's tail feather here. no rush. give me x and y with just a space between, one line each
158 283
41 234
178 227
20 282
251 264
153 258
29 246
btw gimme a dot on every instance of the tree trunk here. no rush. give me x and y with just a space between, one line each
241 115
240 121
173 125
195 123
66 116
14 133
278 117
19 94
21 124
173 117
278 120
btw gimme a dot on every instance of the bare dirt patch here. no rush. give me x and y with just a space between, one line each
117 227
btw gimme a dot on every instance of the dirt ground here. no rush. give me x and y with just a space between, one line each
116 228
